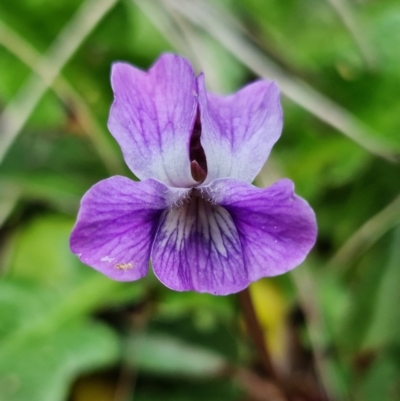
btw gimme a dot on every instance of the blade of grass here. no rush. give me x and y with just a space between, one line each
326 369
365 236
184 38
348 17
17 112
213 20
22 49
164 23
8 200
201 57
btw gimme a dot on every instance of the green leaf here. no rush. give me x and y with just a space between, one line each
167 389
43 367
357 319
381 381
45 343
166 355
385 322
40 252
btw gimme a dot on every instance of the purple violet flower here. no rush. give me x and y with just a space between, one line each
195 212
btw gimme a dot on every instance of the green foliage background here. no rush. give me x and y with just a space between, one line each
66 332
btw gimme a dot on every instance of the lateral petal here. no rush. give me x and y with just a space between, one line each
152 118
239 131
198 248
277 229
116 225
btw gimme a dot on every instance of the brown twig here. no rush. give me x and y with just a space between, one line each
255 331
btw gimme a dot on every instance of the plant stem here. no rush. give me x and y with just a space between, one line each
255 331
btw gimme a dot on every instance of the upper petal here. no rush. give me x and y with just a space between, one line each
152 118
116 225
277 229
238 131
198 248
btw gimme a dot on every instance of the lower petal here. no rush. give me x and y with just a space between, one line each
198 248
116 226
277 229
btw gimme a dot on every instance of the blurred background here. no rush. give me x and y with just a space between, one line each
332 326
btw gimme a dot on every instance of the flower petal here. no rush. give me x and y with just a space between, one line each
116 225
277 229
238 131
197 248
152 118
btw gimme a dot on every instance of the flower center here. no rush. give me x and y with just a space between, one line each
198 162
